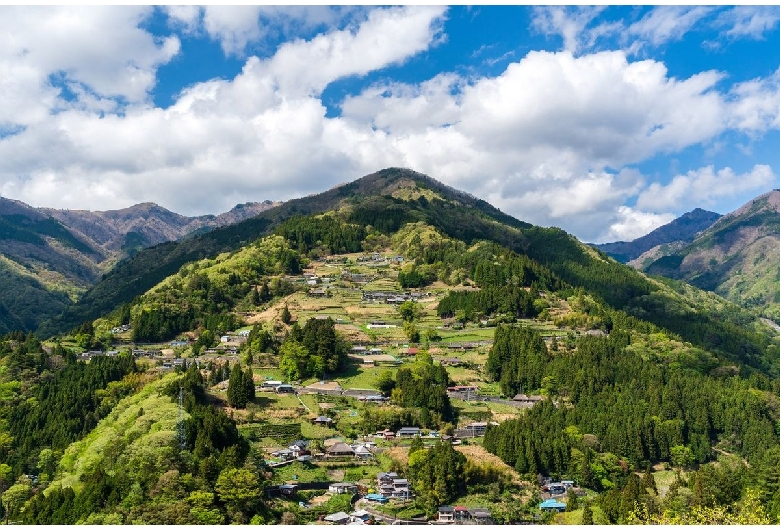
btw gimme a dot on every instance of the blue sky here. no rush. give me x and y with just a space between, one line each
604 121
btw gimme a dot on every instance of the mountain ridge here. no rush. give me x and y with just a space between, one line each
54 252
737 257
679 231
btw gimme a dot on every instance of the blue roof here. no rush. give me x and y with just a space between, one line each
376 497
552 504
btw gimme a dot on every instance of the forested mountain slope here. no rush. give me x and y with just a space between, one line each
633 374
391 198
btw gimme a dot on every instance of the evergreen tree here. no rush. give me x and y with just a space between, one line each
286 317
237 388
587 513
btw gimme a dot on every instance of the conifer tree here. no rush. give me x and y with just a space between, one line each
587 513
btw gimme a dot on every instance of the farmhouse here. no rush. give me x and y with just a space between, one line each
322 420
342 487
408 432
339 449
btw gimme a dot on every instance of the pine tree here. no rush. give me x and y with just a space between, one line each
236 391
286 316
249 385
587 513
255 297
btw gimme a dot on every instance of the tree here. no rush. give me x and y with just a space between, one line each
286 317
292 359
237 391
587 513
239 489
14 498
409 311
572 502
411 331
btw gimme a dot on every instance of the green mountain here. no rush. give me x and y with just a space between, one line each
737 257
671 235
386 201
634 376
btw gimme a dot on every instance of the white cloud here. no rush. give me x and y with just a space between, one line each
571 23
667 23
550 140
749 21
755 104
99 52
632 223
704 187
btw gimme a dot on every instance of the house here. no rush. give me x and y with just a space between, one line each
391 485
555 488
285 389
553 505
360 515
451 361
446 514
477 428
299 447
461 513
387 434
342 487
339 449
408 432
270 386
522 398
322 420
373 398
288 490
480 516
338 518
412 351
363 452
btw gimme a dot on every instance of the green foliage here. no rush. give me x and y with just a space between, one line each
437 475
425 386
241 387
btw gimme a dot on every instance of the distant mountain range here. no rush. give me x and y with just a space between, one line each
48 257
662 240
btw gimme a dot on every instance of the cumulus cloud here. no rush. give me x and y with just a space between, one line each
261 134
96 52
551 140
632 224
703 187
756 104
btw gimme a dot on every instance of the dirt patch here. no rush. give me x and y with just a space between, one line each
479 454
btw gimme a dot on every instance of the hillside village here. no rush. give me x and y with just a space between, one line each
312 428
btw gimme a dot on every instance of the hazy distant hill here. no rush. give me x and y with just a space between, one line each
673 234
49 257
737 257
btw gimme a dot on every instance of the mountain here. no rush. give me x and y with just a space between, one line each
671 235
380 205
49 257
629 373
737 257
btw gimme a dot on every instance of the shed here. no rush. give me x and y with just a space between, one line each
338 518
553 505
